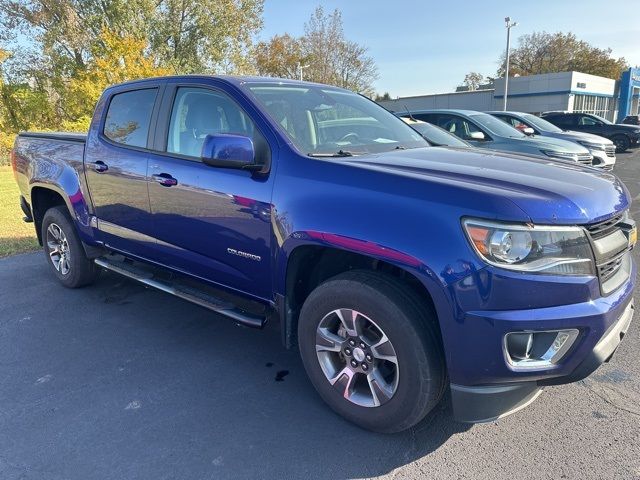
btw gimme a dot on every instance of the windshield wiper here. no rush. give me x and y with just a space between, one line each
339 153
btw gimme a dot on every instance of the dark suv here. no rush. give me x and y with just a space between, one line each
623 136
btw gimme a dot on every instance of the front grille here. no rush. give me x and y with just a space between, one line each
609 269
607 168
610 150
609 239
585 159
604 228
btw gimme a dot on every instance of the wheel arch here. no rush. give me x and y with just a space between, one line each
44 197
310 264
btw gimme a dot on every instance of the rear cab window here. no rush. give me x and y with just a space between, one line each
128 117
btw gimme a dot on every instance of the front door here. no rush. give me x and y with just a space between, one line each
116 170
210 222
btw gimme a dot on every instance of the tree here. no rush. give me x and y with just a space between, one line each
116 59
473 80
380 98
185 35
280 57
75 48
324 52
542 52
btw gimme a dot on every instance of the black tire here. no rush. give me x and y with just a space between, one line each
80 270
621 142
409 326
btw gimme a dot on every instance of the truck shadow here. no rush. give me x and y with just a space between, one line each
139 384
255 408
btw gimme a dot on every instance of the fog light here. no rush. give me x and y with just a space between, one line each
539 349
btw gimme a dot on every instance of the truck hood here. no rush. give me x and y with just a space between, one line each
548 192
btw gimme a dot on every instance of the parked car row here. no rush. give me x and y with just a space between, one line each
580 137
483 130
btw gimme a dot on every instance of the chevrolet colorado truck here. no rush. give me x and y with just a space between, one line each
399 270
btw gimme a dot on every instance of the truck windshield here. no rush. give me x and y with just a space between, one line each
323 121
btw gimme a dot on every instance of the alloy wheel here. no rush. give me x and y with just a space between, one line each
58 249
357 357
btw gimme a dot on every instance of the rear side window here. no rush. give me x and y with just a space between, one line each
562 120
129 116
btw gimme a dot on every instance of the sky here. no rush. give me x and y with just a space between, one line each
423 47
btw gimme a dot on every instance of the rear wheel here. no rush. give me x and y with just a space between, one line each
64 250
372 351
621 142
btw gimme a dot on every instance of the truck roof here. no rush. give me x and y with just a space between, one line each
231 79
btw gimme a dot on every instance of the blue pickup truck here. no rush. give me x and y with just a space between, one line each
398 269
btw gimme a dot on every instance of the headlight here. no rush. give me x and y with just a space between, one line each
562 155
533 249
592 146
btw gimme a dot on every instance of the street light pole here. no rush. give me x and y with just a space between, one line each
508 23
300 68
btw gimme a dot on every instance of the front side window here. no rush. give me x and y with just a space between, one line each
458 126
198 112
324 121
129 116
584 120
563 120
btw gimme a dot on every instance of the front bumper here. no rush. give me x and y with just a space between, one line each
602 159
486 403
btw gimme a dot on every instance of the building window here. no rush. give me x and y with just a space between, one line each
593 104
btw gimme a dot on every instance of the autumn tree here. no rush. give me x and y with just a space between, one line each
280 57
542 52
184 35
115 59
324 52
473 80
62 53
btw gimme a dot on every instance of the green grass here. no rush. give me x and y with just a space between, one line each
16 236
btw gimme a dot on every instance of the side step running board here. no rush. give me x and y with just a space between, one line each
193 295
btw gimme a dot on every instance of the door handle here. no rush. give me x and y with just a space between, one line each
100 166
165 179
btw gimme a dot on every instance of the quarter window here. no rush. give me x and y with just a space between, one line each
128 117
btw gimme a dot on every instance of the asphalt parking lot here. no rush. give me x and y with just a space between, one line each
116 381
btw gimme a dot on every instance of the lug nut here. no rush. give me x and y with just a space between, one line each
352 342
354 364
347 351
369 357
365 366
362 345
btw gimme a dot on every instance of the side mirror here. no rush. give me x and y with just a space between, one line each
528 131
476 136
229 151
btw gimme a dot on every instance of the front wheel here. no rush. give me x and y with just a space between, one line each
64 250
621 142
372 351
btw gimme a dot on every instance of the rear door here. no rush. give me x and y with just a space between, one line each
116 163
210 222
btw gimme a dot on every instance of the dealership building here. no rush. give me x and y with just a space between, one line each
566 91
